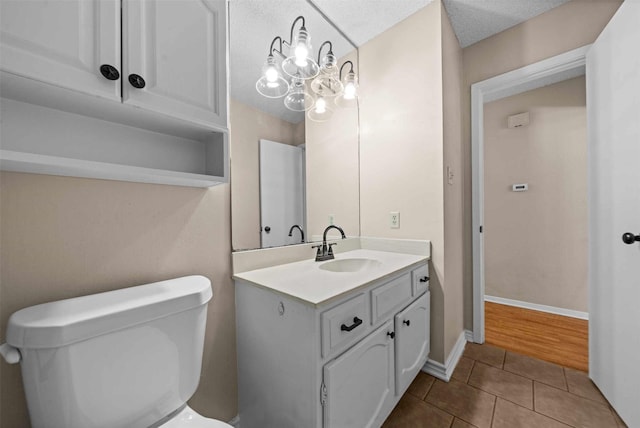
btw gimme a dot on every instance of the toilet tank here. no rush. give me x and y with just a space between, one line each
124 358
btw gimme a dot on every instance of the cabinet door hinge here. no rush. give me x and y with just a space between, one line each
323 394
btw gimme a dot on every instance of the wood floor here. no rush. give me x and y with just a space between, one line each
555 338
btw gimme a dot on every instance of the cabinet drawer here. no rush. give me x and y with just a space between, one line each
344 324
390 296
420 285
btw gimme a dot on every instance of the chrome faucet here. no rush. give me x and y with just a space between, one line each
295 226
325 252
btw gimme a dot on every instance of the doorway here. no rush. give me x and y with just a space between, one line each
553 70
536 253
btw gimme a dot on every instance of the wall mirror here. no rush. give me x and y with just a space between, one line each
294 142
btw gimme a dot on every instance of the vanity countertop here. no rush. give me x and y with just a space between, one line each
306 281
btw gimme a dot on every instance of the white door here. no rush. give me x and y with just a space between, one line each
281 193
174 55
360 382
412 341
613 104
63 43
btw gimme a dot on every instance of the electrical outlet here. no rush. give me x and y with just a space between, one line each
394 219
331 219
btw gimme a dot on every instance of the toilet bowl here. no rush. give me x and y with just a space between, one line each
129 358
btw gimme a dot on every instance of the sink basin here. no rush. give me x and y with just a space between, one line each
349 265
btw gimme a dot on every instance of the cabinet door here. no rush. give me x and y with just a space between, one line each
179 48
360 383
62 43
412 341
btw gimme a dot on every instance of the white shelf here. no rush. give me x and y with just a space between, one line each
54 165
42 140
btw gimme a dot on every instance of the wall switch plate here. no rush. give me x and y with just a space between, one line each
394 219
331 219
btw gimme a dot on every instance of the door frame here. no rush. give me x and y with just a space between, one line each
551 70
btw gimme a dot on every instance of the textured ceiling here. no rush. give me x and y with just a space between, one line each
475 20
254 23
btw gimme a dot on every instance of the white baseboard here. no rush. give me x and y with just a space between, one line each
444 371
235 422
468 334
536 307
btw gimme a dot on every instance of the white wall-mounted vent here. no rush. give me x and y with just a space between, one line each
518 120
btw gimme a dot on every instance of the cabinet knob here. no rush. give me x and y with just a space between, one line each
109 72
137 81
630 238
424 279
406 322
391 334
267 229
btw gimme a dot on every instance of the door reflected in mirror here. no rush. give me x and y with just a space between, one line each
292 172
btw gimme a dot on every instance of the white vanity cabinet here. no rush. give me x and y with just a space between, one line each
137 67
338 364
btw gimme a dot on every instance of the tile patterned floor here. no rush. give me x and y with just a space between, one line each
494 388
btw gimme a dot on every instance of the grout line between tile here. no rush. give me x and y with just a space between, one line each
493 413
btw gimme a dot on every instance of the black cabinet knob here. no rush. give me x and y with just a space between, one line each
137 81
424 279
109 72
391 334
406 322
630 238
267 229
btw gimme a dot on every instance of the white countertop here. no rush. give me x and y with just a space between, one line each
307 282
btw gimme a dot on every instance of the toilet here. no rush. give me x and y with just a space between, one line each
122 359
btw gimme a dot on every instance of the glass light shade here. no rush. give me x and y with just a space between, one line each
321 112
327 84
298 99
272 84
299 62
349 96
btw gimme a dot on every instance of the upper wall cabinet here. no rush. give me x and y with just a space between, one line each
63 43
172 58
147 65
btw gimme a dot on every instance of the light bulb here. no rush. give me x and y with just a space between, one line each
271 73
301 53
321 105
349 91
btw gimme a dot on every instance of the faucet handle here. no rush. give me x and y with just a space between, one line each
319 247
330 253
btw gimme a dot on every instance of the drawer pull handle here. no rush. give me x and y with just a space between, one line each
407 322
424 279
391 334
356 322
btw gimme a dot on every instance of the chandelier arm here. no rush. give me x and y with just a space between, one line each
323 45
279 50
293 26
345 63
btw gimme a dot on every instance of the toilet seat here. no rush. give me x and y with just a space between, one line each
189 418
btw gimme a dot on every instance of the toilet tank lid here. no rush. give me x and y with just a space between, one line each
63 322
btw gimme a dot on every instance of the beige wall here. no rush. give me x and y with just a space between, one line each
536 241
332 167
64 237
574 24
249 125
404 146
453 215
